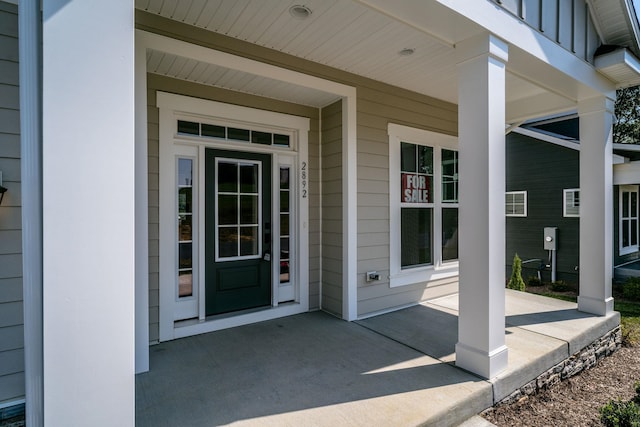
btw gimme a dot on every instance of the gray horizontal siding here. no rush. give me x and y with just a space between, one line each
544 170
331 152
11 307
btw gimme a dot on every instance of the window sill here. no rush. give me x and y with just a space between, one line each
423 274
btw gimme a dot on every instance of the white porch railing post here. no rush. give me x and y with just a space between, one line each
596 205
481 123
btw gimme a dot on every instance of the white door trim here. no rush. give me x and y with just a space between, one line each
173 107
145 41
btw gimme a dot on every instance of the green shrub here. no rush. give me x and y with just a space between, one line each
533 281
617 413
561 286
516 282
631 288
620 414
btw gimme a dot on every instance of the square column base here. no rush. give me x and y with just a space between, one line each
487 365
599 307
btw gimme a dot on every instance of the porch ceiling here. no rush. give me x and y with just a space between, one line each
356 36
179 67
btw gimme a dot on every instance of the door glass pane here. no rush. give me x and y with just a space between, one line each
625 232
625 204
281 140
184 227
449 234
184 200
416 226
189 128
227 177
284 201
284 271
185 255
238 134
185 172
284 248
248 209
248 241
185 283
634 204
213 131
228 242
284 223
249 178
263 138
227 209
284 178
634 232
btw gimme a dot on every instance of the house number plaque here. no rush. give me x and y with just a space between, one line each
303 177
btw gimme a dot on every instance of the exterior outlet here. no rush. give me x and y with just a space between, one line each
372 275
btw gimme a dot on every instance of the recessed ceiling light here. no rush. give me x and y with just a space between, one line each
407 51
300 12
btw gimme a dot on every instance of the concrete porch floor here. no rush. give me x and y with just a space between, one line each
395 369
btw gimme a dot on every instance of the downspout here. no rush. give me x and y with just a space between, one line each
30 63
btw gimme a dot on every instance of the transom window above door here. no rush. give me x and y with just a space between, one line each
233 133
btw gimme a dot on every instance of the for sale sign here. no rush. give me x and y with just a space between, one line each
416 188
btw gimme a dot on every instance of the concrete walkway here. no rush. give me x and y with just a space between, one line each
395 369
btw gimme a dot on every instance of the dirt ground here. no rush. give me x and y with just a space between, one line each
576 401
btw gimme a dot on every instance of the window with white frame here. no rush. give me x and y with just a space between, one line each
628 234
424 205
571 199
516 203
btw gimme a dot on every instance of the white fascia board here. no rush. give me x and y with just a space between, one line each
617 159
211 56
500 22
620 66
626 173
547 138
627 147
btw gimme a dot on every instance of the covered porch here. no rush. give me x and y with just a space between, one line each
393 369
464 72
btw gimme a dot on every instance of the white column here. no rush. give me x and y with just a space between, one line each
30 36
596 205
88 213
481 125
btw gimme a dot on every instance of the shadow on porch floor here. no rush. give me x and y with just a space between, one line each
312 369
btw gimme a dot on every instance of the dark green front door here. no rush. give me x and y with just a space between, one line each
238 231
